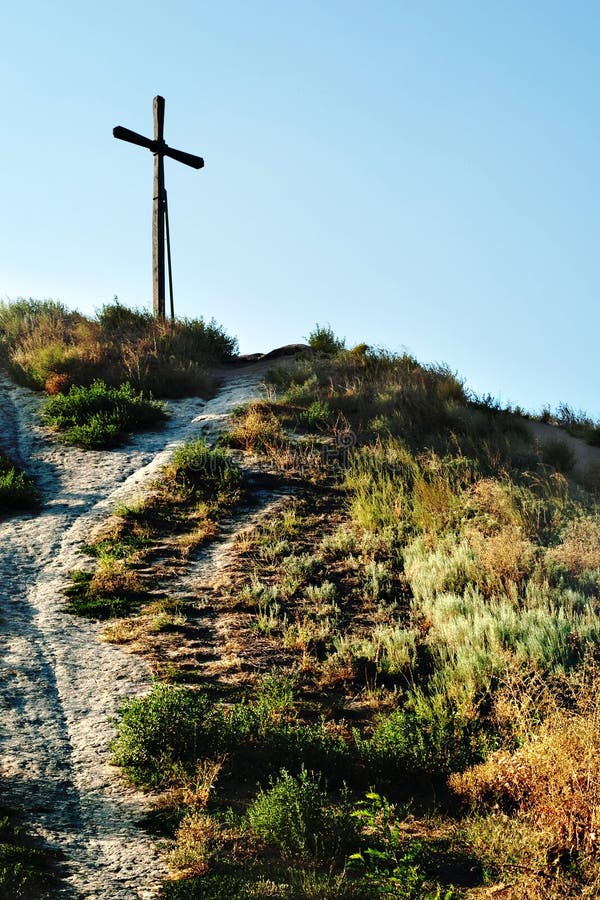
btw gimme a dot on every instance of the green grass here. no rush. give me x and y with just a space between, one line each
17 490
100 416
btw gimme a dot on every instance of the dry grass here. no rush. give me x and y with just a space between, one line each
257 429
197 839
553 780
579 549
502 560
113 577
48 346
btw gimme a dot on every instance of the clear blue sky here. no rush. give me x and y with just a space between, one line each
421 175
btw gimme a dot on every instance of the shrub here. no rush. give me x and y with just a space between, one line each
323 340
207 474
428 737
99 416
168 729
295 815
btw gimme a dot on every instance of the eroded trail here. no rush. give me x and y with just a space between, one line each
59 685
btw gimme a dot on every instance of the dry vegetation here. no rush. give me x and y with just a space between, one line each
50 347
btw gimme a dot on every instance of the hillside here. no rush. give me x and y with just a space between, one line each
335 627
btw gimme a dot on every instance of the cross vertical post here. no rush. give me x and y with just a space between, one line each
159 199
158 211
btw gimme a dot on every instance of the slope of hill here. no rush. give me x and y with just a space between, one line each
370 605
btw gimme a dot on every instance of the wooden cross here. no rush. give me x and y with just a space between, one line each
160 216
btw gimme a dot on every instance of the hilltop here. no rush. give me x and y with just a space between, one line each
368 601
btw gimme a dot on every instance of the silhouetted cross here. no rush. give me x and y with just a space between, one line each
160 215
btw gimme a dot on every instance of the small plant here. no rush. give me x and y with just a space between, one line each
198 840
321 593
390 866
318 414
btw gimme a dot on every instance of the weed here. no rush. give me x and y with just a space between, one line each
198 840
390 866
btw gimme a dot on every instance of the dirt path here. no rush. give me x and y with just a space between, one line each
59 685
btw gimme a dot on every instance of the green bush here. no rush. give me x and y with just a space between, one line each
296 816
98 415
323 340
17 490
169 728
431 739
174 726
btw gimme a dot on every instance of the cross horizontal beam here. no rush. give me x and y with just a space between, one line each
132 137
